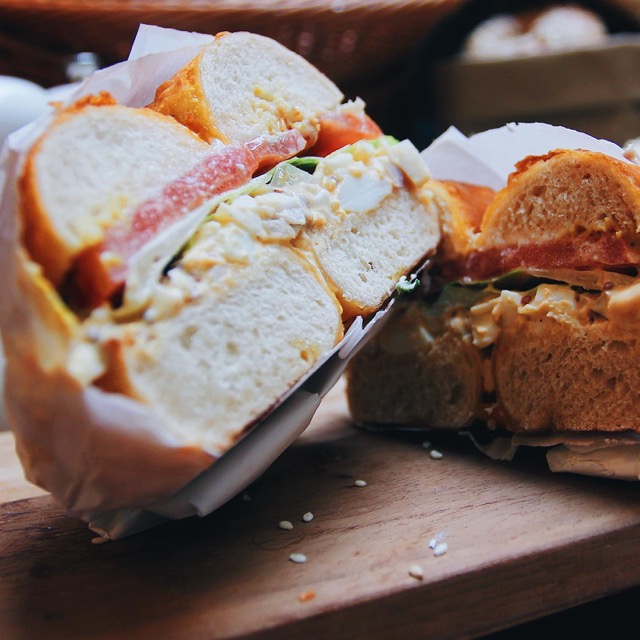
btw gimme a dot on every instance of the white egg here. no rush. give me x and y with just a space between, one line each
21 101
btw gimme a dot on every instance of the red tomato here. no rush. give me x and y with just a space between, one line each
338 129
100 271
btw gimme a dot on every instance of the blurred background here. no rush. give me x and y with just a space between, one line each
420 66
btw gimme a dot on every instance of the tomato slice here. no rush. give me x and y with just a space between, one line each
100 271
340 128
594 251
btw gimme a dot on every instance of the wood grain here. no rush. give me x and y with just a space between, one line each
522 543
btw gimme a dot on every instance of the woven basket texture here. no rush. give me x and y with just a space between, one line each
351 41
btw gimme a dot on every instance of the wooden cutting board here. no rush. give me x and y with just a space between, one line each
522 543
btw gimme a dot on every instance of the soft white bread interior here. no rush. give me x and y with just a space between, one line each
554 348
251 306
93 166
382 222
224 340
243 85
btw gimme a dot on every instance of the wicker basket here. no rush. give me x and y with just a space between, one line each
350 40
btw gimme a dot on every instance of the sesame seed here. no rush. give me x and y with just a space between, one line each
437 538
298 558
246 497
440 549
360 483
285 524
307 517
435 455
415 571
426 444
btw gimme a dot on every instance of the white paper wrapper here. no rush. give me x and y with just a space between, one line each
83 454
487 159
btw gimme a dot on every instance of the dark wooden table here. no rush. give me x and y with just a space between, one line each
523 544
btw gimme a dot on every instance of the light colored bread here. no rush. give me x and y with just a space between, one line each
383 221
228 354
120 404
243 85
93 166
255 296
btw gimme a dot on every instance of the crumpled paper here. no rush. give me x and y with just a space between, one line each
74 454
488 158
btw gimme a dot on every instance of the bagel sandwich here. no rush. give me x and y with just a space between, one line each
169 280
530 324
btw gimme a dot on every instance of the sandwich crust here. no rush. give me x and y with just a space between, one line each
551 374
565 193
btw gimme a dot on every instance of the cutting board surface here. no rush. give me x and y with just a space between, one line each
521 543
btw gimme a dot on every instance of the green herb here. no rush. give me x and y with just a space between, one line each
405 285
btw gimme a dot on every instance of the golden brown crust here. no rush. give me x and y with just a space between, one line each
564 193
182 97
38 234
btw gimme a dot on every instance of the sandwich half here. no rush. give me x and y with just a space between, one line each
165 290
530 325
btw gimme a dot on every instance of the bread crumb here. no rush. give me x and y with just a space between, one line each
306 596
298 558
415 571
285 524
437 538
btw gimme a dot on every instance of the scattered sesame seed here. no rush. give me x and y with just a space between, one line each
307 517
436 455
306 596
360 483
298 558
426 444
285 524
415 571
440 549
439 537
